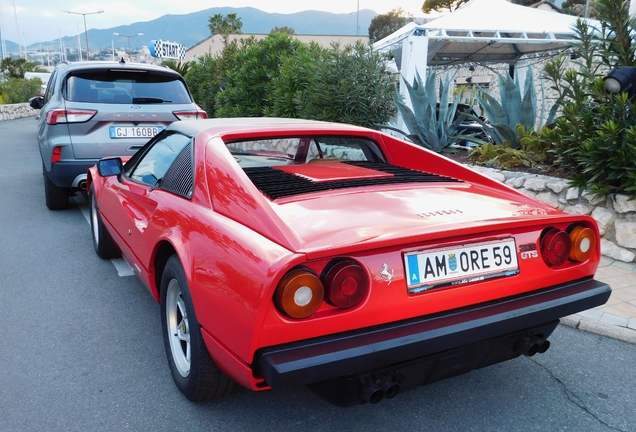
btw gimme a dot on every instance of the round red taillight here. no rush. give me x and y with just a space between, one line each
299 294
346 284
583 243
555 247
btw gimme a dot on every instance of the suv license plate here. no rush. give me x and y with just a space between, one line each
456 265
117 132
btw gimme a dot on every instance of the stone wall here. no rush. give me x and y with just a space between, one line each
15 111
615 215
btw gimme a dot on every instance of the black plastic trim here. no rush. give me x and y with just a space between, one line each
366 350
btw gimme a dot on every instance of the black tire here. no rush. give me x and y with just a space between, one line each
56 197
198 378
103 243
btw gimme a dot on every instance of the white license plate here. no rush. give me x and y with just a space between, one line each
456 265
117 132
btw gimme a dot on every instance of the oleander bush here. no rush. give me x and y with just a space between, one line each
279 76
19 90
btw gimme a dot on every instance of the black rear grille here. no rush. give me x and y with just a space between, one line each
275 183
180 176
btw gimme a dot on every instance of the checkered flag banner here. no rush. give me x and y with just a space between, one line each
167 50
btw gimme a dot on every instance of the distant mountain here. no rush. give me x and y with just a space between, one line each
192 28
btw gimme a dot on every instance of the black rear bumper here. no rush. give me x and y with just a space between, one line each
374 349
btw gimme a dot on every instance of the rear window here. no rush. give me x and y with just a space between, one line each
305 149
125 87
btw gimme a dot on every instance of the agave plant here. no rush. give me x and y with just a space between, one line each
433 128
517 107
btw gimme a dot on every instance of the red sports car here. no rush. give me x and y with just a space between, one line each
290 252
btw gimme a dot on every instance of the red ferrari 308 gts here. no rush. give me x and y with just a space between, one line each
290 252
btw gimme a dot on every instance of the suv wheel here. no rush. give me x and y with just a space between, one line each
56 197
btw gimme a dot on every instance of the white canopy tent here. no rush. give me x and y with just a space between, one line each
481 31
487 31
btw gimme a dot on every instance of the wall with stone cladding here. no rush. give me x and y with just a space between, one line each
615 215
15 111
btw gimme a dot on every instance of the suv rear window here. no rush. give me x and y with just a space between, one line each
125 87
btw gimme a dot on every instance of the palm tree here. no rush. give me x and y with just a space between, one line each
215 23
234 24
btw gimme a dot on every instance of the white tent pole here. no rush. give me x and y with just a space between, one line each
414 54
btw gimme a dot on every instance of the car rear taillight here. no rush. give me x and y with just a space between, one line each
578 243
299 294
583 243
555 247
56 116
346 284
190 115
57 154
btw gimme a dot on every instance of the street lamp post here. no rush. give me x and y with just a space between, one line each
88 52
129 36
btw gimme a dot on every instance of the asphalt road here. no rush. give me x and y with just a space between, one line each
81 350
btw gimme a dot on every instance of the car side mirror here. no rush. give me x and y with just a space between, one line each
36 102
110 167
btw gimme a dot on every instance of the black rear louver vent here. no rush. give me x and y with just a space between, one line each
180 176
276 183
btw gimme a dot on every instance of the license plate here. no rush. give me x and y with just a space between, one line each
117 132
456 265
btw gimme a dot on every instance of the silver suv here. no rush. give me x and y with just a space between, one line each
96 109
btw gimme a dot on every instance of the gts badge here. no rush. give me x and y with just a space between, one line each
528 251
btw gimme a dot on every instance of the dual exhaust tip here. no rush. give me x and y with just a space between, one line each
531 346
373 391
376 390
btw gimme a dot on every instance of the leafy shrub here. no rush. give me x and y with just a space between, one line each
532 149
248 89
283 77
596 135
350 85
19 90
206 75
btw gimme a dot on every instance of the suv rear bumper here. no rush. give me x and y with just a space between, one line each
68 174
375 352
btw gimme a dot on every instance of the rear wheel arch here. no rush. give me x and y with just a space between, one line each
164 251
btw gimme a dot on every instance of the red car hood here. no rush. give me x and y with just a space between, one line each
355 217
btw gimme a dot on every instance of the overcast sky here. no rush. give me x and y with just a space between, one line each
43 20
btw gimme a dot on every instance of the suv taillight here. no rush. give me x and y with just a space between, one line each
56 116
190 115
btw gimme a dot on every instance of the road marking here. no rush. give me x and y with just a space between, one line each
121 265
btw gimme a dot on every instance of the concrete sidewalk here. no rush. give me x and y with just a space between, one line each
616 318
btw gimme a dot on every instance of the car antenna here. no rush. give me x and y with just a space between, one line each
122 61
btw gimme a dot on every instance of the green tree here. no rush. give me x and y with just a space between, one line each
439 5
283 29
595 137
385 24
16 68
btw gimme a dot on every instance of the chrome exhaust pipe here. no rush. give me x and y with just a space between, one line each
82 185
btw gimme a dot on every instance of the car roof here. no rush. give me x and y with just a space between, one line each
92 65
253 124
